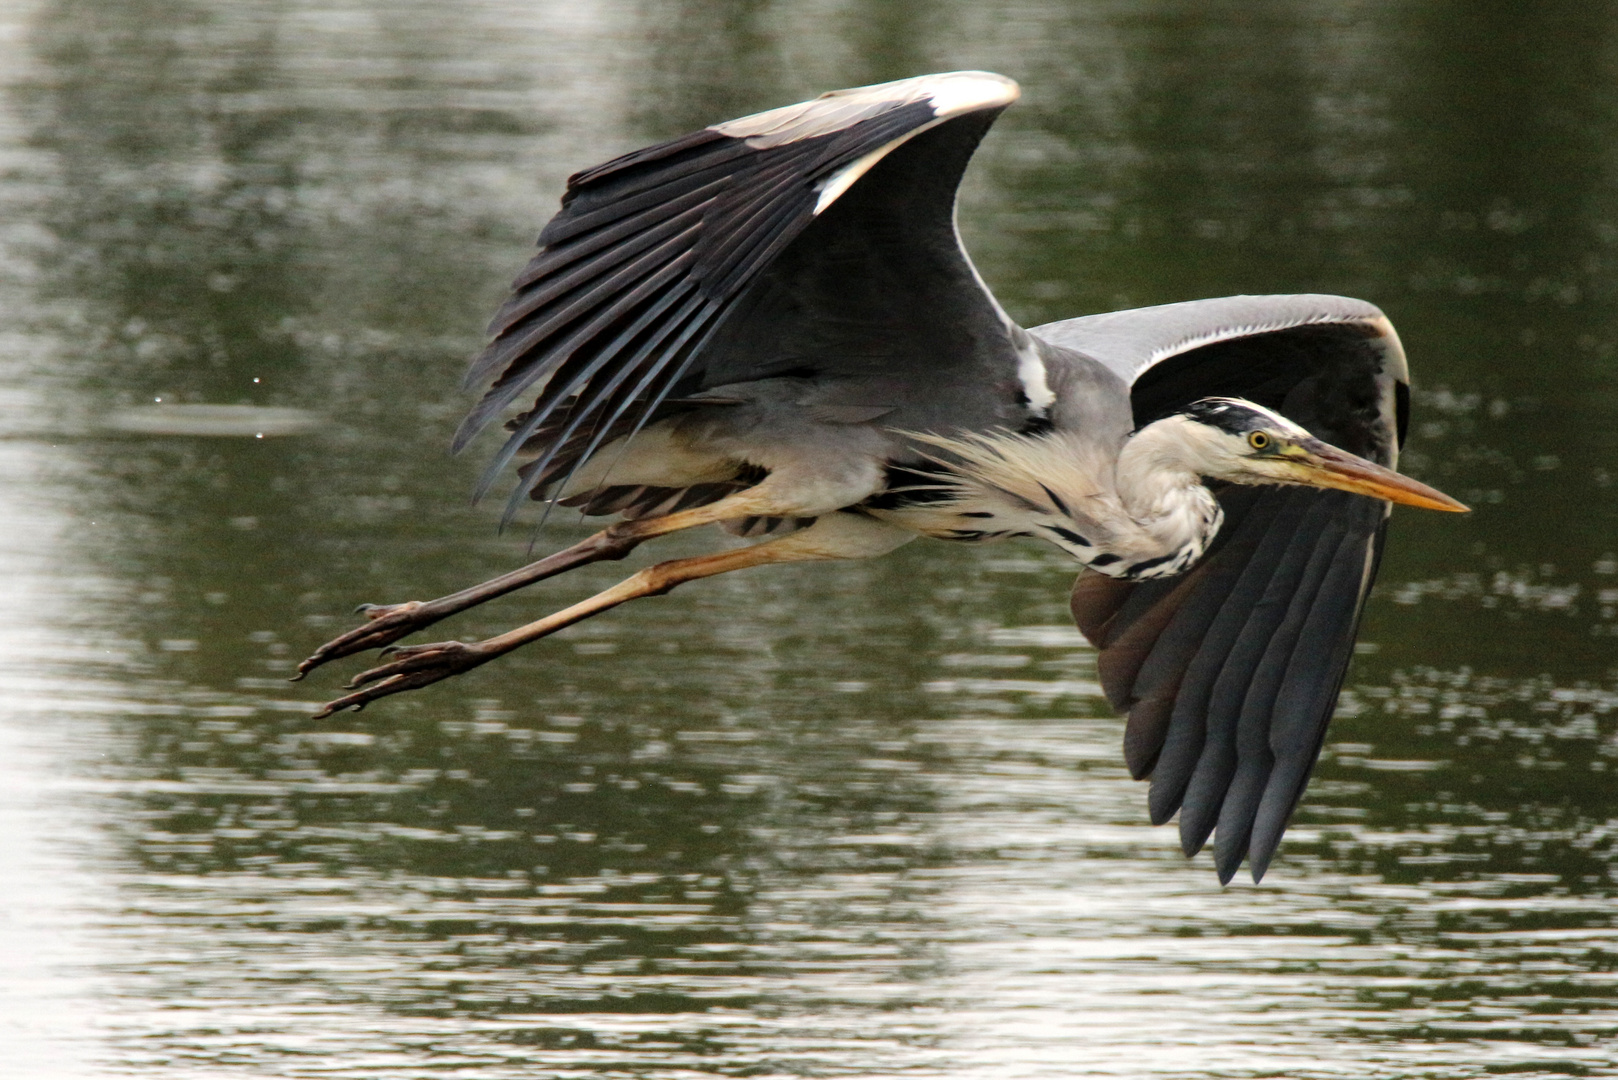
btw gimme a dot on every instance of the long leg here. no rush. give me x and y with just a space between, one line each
836 536
386 624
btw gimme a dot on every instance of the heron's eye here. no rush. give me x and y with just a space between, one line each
1258 441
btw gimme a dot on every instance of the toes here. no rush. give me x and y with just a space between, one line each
424 663
384 624
416 666
407 668
358 700
371 676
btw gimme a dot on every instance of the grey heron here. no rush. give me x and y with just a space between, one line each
771 325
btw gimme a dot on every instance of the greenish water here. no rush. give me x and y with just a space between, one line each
865 820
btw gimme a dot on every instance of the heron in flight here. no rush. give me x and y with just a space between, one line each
770 325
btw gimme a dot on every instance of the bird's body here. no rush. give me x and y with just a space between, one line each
771 325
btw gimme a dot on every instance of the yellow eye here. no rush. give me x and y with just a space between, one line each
1258 440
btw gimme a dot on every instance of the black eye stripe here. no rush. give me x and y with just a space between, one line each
1232 417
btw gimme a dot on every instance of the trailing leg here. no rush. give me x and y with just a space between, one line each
836 536
387 623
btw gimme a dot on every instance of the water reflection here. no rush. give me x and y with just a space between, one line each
781 825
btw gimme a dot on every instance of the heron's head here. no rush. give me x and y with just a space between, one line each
1243 443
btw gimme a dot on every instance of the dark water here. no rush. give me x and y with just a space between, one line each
864 820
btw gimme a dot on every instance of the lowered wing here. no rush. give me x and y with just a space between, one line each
812 240
1229 674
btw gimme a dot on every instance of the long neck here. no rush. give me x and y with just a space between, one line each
1159 488
1155 476
1140 513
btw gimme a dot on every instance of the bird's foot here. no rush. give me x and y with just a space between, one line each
410 668
384 624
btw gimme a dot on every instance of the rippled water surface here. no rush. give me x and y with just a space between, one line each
865 820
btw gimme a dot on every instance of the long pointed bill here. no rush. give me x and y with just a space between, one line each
1322 465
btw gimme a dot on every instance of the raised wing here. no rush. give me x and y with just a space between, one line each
754 248
1230 673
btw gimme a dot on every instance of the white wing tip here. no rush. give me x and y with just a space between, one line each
955 93
949 94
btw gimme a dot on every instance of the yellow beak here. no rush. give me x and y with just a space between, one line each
1321 465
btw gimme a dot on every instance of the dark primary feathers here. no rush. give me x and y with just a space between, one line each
740 253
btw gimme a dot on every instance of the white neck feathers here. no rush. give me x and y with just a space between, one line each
1141 512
